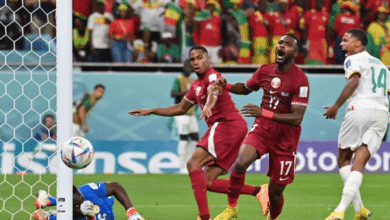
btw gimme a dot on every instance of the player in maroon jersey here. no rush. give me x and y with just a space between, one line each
276 129
218 148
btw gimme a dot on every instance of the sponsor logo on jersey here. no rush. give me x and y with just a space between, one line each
276 82
348 64
198 90
96 209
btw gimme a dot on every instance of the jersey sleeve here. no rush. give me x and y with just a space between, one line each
301 92
253 83
176 85
191 96
351 66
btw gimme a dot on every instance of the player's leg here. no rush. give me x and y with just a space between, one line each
276 199
194 136
344 158
182 123
199 159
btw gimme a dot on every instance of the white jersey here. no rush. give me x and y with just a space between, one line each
373 85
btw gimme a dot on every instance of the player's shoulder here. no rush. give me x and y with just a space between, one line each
299 73
266 68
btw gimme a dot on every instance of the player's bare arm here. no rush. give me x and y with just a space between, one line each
83 117
212 98
237 88
178 109
294 118
115 189
348 90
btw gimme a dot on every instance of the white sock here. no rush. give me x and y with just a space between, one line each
181 151
351 187
357 199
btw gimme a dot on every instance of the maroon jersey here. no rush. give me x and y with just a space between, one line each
224 109
281 89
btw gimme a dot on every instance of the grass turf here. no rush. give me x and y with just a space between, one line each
169 196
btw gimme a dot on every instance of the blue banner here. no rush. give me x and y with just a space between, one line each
161 157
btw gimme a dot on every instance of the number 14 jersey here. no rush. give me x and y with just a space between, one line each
373 84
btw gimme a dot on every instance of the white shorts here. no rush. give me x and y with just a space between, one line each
363 126
77 130
186 124
213 52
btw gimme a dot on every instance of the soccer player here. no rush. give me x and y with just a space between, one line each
218 148
277 126
187 125
92 201
83 108
365 121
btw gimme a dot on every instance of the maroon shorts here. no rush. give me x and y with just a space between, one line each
223 140
281 142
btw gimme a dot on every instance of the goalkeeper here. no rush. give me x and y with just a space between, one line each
92 201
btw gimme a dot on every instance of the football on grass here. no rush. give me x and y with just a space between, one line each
77 153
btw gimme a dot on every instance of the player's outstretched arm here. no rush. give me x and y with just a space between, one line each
178 109
212 97
294 118
349 89
236 88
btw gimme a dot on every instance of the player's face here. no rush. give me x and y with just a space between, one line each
99 92
200 61
348 44
286 50
49 122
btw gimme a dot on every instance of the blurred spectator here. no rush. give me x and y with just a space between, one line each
9 25
378 35
167 51
99 24
259 29
42 16
145 48
48 130
346 20
241 24
82 9
272 6
370 11
81 41
230 51
151 13
317 34
297 9
231 37
208 33
83 108
186 31
122 30
280 23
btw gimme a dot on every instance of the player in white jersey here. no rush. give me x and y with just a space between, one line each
365 121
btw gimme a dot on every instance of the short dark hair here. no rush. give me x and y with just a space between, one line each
296 38
48 116
187 62
359 34
198 47
99 86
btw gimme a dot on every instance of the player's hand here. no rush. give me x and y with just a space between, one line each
331 112
87 209
85 128
220 83
206 113
136 216
250 110
140 112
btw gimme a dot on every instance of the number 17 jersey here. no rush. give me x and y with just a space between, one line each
373 83
281 89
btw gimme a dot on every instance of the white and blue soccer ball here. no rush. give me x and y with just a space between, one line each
77 153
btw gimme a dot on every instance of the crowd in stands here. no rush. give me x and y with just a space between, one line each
233 31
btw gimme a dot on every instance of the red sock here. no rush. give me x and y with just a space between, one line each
221 186
275 211
199 186
236 182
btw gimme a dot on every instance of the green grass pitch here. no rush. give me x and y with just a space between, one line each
169 196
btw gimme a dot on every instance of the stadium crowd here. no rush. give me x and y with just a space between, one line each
233 31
